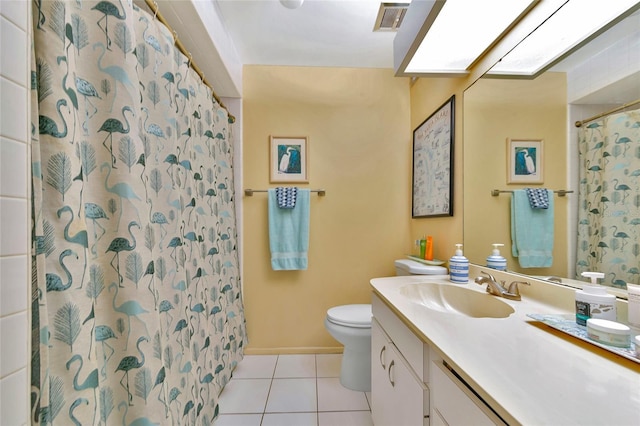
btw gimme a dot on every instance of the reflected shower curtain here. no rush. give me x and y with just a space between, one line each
136 303
609 199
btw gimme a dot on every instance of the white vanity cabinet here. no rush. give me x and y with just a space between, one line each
410 383
398 392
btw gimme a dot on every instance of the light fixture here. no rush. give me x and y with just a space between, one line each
571 26
454 33
292 4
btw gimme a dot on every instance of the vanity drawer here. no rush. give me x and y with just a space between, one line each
453 403
411 347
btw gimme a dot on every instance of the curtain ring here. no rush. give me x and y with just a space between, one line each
175 36
155 13
190 60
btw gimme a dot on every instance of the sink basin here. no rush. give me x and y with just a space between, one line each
457 300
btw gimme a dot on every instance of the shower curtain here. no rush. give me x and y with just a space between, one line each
609 199
137 313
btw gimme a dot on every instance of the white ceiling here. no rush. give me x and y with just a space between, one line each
332 33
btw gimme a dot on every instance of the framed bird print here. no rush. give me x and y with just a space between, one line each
288 159
524 161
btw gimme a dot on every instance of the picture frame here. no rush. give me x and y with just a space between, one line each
433 140
288 159
525 161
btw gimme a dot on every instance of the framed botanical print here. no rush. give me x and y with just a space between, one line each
432 189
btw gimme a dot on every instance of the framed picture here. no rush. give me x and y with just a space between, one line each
433 163
524 161
288 159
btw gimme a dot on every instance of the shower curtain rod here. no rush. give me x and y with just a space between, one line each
595 117
153 5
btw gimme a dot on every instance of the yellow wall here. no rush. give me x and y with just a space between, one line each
427 95
523 109
359 130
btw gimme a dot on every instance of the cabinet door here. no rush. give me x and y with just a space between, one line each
398 396
410 396
380 386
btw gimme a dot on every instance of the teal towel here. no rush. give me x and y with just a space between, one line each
289 233
531 231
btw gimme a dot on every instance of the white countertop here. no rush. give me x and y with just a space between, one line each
526 371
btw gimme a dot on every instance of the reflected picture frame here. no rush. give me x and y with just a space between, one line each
288 159
525 161
432 187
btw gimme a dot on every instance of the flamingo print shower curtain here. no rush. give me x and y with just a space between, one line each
609 199
137 312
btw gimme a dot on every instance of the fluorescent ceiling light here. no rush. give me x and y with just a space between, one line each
462 32
573 24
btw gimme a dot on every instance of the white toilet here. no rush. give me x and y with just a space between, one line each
351 326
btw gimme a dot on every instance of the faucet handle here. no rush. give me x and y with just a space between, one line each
513 287
491 277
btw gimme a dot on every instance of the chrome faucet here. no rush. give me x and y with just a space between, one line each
497 288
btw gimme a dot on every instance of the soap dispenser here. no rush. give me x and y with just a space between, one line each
593 301
496 260
459 267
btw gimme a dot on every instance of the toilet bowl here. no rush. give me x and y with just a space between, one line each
351 326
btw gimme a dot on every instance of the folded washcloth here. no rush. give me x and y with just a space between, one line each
538 198
286 197
289 232
531 231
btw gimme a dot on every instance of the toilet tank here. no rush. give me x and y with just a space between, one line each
411 267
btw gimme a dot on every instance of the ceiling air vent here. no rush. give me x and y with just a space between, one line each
390 16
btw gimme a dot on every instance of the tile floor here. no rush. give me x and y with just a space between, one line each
296 390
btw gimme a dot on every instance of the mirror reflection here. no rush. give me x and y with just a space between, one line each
597 226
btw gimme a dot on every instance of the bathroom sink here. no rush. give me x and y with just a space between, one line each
452 299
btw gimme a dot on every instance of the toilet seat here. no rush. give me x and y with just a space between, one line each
355 316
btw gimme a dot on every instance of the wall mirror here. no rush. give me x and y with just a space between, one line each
600 76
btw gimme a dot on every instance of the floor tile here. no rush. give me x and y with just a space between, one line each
290 366
332 396
328 365
290 419
238 420
292 396
244 396
256 367
345 418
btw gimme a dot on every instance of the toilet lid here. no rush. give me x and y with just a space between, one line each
416 268
357 316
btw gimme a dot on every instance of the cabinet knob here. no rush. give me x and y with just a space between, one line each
382 351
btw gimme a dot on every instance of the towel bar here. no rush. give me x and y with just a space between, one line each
249 192
560 192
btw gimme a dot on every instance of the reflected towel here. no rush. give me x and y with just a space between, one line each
531 231
289 233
